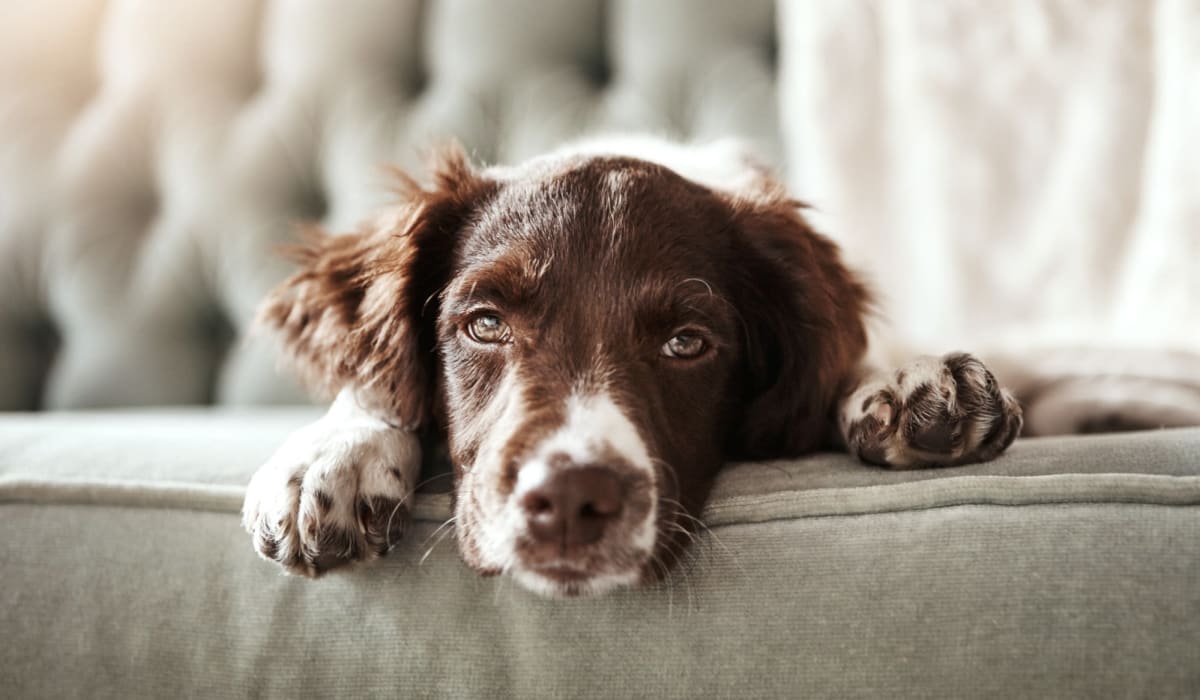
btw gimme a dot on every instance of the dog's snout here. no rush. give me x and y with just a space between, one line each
574 505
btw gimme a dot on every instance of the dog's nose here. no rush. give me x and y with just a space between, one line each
574 505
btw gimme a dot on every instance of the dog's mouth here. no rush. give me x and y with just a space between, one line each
562 574
637 552
580 571
560 580
565 568
571 512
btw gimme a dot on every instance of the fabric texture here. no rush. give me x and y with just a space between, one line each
154 155
1036 164
1067 568
1039 155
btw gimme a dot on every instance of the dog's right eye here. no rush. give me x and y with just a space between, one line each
685 346
488 328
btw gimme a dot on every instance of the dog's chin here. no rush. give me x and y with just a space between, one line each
567 582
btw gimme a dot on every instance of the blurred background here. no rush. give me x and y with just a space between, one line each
1019 177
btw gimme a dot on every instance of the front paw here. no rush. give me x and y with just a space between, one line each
335 492
933 412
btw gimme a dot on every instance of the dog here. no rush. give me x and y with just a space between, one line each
593 333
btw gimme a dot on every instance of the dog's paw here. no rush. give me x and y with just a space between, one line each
932 412
335 492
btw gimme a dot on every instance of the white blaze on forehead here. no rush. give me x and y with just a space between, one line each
727 165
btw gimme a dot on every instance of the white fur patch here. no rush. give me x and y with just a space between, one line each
594 425
501 419
347 455
594 429
503 416
596 585
728 165
898 450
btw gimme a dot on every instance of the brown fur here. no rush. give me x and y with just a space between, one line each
352 314
593 267
806 336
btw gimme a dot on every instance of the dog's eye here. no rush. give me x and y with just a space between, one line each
488 328
685 346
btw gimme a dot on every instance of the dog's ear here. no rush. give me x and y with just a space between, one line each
356 313
804 313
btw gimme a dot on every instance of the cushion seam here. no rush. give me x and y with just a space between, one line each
434 507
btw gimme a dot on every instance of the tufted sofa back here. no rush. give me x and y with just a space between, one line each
154 154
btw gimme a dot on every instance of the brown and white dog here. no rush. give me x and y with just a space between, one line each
594 332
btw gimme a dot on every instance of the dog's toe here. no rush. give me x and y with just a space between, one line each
934 412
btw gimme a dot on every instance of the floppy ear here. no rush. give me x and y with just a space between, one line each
804 313
355 313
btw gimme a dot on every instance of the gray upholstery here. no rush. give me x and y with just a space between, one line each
1069 568
152 154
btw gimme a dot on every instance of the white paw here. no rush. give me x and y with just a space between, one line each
335 492
932 412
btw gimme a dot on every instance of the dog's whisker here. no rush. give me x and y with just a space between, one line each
425 306
716 540
430 480
445 529
387 530
701 281
429 551
566 371
702 527
446 523
498 587
679 575
664 578
670 470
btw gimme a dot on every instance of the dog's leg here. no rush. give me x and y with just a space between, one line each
931 412
335 492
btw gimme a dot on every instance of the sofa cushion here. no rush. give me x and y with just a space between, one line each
153 156
1068 567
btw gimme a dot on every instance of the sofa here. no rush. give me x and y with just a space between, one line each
153 156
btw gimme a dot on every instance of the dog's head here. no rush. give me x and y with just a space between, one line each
596 335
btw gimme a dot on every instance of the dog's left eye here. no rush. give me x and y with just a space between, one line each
488 328
685 346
